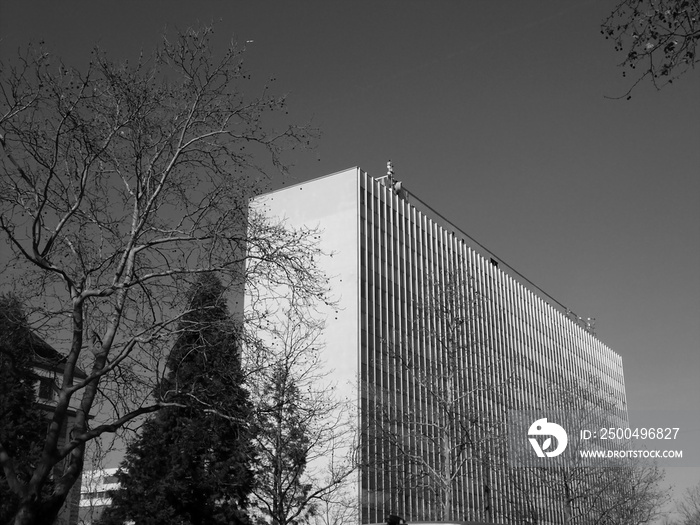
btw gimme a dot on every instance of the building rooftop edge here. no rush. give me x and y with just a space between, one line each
585 324
283 188
424 207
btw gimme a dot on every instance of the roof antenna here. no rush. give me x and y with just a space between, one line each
389 175
389 181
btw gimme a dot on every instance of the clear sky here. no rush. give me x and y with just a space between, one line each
495 114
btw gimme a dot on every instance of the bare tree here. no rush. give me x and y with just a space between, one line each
623 494
658 38
339 507
637 494
689 506
120 183
585 492
305 433
437 443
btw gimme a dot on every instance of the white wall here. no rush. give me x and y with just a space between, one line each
331 205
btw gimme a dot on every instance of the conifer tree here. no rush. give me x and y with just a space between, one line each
304 431
284 442
191 463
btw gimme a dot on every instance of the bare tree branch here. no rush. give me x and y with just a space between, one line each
120 185
658 38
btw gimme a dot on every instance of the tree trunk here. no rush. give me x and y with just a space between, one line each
446 478
38 512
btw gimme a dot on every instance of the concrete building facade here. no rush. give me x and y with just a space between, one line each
436 340
94 494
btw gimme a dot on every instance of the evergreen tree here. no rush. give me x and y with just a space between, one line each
22 426
284 441
191 463
304 433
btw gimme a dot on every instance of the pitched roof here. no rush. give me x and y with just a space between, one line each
48 358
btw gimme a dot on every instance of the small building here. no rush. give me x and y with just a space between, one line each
94 494
48 365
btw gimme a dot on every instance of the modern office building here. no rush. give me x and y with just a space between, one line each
437 340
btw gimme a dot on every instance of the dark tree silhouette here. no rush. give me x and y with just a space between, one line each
22 427
193 466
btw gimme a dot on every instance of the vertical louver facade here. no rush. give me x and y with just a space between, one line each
442 340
